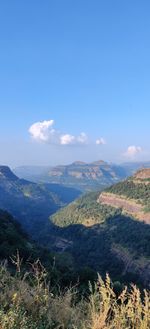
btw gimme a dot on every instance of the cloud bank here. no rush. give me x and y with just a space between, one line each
44 132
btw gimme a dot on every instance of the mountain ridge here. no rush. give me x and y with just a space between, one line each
5 172
85 176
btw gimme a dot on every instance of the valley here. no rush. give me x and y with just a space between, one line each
74 164
96 232
110 228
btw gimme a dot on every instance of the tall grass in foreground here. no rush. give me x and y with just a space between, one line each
28 302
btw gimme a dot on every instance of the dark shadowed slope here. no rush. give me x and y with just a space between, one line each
29 202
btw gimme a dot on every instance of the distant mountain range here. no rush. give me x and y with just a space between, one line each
84 176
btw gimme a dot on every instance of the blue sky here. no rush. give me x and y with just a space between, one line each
84 64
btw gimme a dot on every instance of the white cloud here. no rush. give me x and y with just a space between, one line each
44 132
132 151
100 141
73 140
67 139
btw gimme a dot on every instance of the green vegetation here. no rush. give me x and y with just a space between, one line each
120 246
12 237
139 192
27 301
85 238
101 238
86 211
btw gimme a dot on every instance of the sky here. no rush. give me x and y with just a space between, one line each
74 81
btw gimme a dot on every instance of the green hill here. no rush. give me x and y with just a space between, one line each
96 207
132 195
85 210
107 236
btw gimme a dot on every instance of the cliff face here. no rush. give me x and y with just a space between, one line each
82 170
143 174
130 207
86 176
132 196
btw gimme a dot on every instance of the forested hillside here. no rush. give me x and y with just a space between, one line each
102 236
132 195
32 203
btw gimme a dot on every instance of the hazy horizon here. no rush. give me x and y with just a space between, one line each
48 165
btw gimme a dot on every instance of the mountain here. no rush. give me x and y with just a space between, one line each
108 236
30 203
80 175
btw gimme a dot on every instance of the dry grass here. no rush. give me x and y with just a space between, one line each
27 302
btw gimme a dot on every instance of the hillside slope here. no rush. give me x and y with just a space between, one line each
29 202
12 237
102 236
132 196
